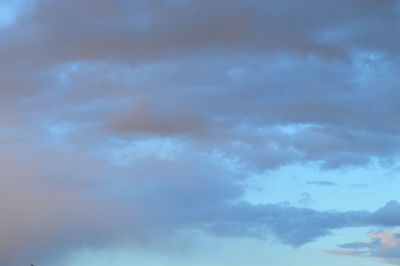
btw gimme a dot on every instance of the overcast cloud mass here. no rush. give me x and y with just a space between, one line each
127 123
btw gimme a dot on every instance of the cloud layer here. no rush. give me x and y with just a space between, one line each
124 121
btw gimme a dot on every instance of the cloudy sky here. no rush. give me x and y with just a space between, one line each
199 132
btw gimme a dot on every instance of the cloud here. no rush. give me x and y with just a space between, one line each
188 70
322 183
384 246
238 87
62 201
345 253
297 226
306 199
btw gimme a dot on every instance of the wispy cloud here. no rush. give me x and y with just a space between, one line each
322 183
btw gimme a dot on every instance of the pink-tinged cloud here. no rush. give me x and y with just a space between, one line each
384 245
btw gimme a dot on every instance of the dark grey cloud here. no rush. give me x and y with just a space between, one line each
297 226
230 73
150 29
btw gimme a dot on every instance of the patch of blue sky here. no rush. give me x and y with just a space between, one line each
371 69
59 132
314 253
7 15
10 10
358 188
64 72
123 152
293 129
236 73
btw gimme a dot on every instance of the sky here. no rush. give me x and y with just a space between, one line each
199 132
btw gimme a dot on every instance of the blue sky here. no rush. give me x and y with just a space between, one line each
193 133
